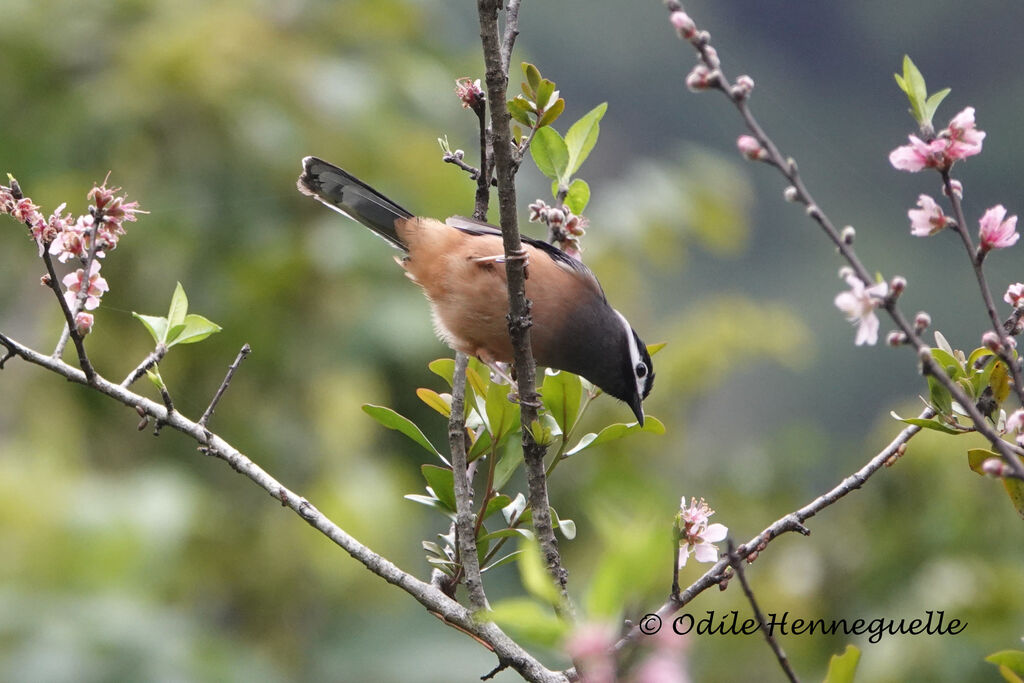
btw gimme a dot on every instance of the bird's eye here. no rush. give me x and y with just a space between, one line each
641 370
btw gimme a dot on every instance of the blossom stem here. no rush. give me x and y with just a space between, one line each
69 318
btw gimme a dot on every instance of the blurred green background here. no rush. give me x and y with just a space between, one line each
129 557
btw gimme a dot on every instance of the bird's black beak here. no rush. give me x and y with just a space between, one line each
637 405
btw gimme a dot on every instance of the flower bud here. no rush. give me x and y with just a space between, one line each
896 338
898 284
848 234
45 280
699 78
83 323
994 467
743 87
683 23
922 321
791 194
751 148
990 340
958 189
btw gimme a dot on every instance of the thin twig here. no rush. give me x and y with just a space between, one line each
465 528
737 564
790 522
431 597
242 354
154 357
69 318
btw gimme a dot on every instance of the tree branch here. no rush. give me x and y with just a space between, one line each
431 597
790 522
515 267
242 354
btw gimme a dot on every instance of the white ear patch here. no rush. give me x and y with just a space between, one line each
635 361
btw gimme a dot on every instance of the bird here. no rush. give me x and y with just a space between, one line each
459 264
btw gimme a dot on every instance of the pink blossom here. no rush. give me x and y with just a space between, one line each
1014 294
996 233
696 535
1015 424
591 645
83 323
927 220
858 305
74 241
750 147
964 138
96 287
699 78
469 91
919 155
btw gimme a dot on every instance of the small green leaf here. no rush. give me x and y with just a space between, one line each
912 83
441 481
155 378
578 196
1010 663
1015 490
179 307
511 557
939 396
552 113
508 533
976 456
617 431
654 348
443 368
392 420
561 393
430 501
481 446
582 135
544 92
532 74
157 327
196 328
549 153
507 465
520 110
949 363
528 619
476 380
502 415
534 575
933 102
841 668
496 503
933 424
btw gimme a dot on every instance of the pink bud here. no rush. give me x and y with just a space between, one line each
922 321
1015 295
683 23
743 87
751 148
990 340
83 323
994 467
699 79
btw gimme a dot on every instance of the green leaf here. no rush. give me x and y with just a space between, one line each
157 327
933 424
949 363
912 83
561 393
443 368
544 92
841 668
549 153
933 102
392 420
481 446
578 196
430 501
179 307
476 381
529 619
939 396
582 136
155 378
435 401
520 110
507 465
511 557
534 574
532 74
617 431
502 415
552 113
196 328
496 503
1015 490
441 481
507 533
976 456
1008 661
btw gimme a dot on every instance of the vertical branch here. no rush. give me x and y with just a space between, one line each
465 529
515 267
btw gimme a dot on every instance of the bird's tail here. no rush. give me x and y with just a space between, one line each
351 197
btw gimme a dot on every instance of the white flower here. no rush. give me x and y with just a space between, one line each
858 305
